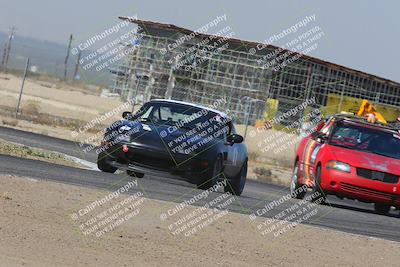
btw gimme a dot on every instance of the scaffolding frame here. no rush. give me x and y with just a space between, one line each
234 74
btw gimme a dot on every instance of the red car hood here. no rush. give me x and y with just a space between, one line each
366 160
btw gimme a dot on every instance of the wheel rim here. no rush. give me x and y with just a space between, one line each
217 171
293 184
318 188
243 176
318 179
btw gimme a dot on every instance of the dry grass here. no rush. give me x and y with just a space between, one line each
266 175
17 150
10 122
31 107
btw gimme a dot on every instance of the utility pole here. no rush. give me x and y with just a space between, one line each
22 87
66 58
77 64
7 48
3 59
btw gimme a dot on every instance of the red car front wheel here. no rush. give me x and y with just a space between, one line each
381 208
318 194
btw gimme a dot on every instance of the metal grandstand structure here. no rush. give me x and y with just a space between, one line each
236 75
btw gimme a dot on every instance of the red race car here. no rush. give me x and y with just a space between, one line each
350 157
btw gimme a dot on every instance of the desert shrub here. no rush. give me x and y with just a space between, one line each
31 108
262 172
10 122
253 156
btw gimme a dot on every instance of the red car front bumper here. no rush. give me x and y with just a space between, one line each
350 185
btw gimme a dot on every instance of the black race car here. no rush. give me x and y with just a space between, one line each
173 138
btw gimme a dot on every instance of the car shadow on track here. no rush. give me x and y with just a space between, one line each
358 209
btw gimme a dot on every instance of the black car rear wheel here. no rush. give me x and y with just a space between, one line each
103 165
236 186
213 176
381 208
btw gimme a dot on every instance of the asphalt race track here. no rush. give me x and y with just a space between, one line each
344 215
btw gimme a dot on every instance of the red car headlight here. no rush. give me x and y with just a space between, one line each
337 165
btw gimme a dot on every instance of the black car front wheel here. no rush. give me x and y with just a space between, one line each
236 185
213 176
135 174
103 165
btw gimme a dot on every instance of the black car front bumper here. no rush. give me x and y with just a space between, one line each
155 161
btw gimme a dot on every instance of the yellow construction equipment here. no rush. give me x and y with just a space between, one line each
368 110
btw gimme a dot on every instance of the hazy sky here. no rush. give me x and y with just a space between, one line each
364 35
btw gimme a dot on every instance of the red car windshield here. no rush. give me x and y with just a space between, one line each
366 139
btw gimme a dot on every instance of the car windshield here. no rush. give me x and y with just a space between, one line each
366 139
172 114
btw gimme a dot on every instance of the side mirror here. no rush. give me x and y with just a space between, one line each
235 139
318 136
126 115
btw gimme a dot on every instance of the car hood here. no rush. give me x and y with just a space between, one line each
366 160
162 137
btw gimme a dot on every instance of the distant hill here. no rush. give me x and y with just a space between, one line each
48 57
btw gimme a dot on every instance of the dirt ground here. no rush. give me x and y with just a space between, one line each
36 229
56 99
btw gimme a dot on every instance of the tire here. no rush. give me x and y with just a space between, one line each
318 194
212 178
135 174
236 186
382 209
103 165
295 191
